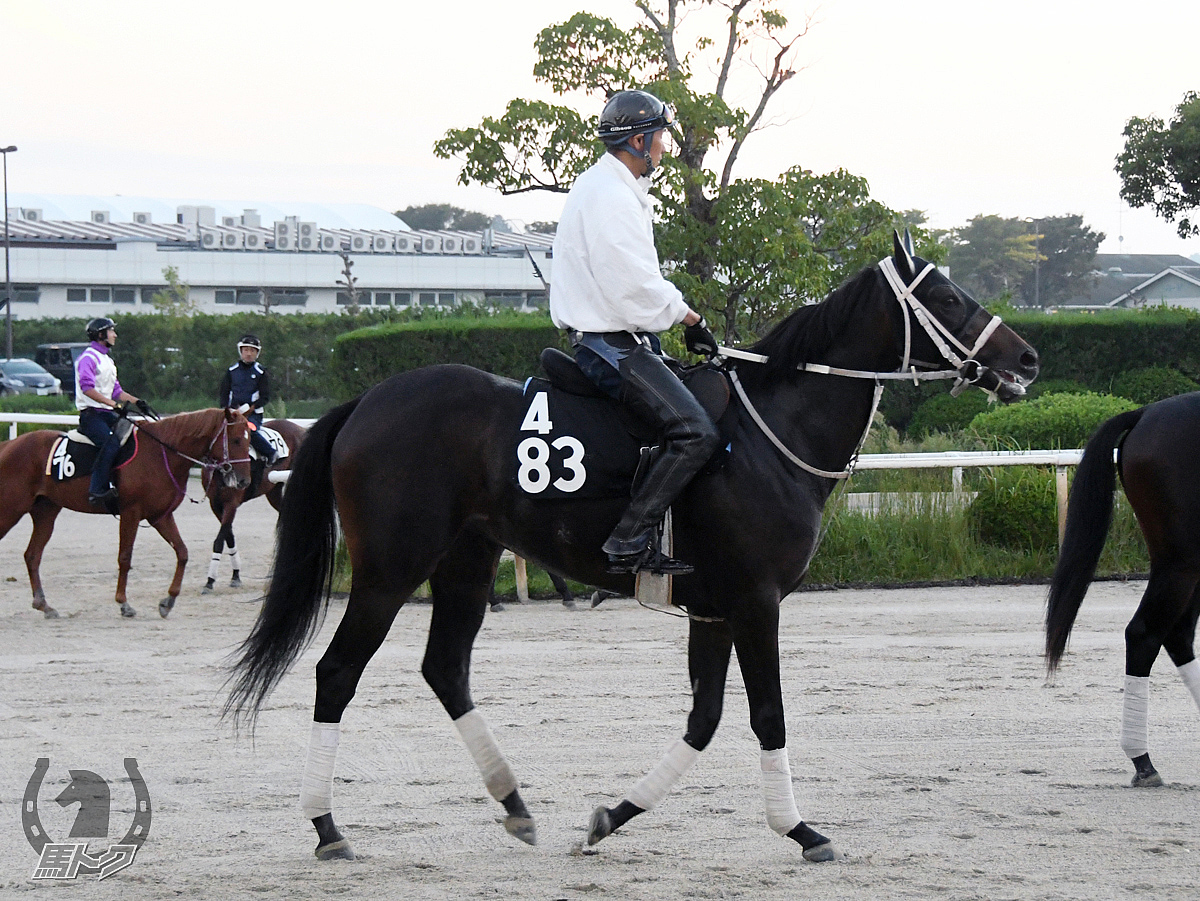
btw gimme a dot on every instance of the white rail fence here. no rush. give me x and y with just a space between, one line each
955 461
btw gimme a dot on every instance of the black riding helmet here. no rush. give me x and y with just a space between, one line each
97 327
249 341
629 113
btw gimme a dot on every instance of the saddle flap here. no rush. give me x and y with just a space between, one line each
564 373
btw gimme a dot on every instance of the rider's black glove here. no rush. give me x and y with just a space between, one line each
699 340
143 407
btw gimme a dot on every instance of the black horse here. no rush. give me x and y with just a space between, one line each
1158 471
419 470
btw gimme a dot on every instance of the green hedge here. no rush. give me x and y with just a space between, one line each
1051 421
1154 383
508 345
1016 508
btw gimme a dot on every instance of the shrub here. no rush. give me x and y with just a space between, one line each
944 413
1016 509
1055 386
1145 386
1048 422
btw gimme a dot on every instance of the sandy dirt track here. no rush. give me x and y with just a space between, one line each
923 739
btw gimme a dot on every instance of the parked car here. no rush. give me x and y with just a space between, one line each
59 360
21 376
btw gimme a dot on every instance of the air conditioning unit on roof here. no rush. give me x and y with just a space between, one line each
285 236
210 238
329 242
430 244
229 221
255 241
307 230
451 244
100 217
232 240
142 218
471 245
360 242
382 244
406 243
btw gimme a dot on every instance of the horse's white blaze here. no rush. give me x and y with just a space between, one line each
1190 674
498 776
653 787
1135 729
316 791
780 802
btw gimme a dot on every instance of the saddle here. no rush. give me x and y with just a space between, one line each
73 454
575 441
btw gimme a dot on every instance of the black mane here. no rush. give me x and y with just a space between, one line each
806 334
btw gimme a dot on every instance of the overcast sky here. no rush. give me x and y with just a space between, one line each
951 107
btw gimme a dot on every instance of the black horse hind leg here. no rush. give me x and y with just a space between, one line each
1180 644
461 588
1164 605
709 646
375 598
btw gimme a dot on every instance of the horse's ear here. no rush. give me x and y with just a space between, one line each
903 253
230 416
908 243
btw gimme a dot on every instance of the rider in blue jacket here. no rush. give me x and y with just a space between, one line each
245 383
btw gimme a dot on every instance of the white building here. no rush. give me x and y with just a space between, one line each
93 256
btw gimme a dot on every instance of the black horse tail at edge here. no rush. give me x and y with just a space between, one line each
301 578
1089 514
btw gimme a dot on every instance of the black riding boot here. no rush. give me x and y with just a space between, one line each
689 439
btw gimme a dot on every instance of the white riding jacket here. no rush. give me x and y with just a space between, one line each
94 370
606 271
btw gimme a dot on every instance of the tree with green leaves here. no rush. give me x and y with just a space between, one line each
1066 257
176 298
743 251
440 216
990 255
1160 165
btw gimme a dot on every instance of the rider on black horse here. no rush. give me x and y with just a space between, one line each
609 292
245 384
97 396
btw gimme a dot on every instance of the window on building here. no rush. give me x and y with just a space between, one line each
26 293
224 295
148 295
536 299
292 297
249 297
77 295
503 298
402 298
446 299
124 295
101 295
383 298
361 297
427 299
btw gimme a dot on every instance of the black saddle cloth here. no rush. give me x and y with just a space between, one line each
74 459
574 441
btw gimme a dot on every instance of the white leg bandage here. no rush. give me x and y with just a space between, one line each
653 787
1190 674
236 559
498 776
1135 729
780 802
214 566
316 792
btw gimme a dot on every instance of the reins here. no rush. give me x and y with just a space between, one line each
224 465
967 370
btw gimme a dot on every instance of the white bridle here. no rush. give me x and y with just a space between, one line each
941 337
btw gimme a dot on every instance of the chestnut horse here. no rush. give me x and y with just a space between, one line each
1154 459
225 501
423 474
151 484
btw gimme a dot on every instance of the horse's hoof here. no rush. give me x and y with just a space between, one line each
207 589
49 612
127 611
339 850
599 825
235 583
568 603
497 608
522 828
165 606
822 853
1147 780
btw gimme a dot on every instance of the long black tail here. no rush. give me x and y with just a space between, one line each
1089 514
301 578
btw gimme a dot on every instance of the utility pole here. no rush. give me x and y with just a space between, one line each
5 151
